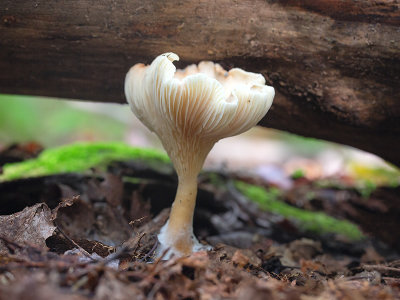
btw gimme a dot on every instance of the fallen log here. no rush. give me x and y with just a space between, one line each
335 64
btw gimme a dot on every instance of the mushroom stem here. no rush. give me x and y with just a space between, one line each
181 215
179 229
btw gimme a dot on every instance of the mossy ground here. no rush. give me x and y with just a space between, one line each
316 222
78 157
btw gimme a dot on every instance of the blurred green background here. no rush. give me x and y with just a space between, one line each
54 122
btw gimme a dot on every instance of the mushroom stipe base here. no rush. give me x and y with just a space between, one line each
167 246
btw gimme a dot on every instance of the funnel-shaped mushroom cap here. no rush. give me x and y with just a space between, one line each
191 109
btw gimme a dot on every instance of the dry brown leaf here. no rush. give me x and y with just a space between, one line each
36 286
32 227
240 259
113 189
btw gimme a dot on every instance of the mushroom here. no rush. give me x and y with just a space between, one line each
190 110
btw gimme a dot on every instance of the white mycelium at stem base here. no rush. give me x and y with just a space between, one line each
190 110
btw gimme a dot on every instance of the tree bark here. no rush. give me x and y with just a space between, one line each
335 64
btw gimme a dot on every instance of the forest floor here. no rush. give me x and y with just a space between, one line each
92 235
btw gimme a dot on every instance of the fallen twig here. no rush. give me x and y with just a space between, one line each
150 253
123 250
382 269
84 252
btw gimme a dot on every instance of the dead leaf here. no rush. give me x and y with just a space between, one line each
304 249
66 202
198 260
240 259
32 226
138 208
75 217
245 256
371 256
308 265
110 287
113 189
36 286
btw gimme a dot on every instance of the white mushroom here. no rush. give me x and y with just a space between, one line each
190 110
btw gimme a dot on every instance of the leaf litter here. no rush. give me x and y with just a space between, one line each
93 236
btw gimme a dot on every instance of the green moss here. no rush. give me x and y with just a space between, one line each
78 157
297 174
317 222
366 189
216 179
388 175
